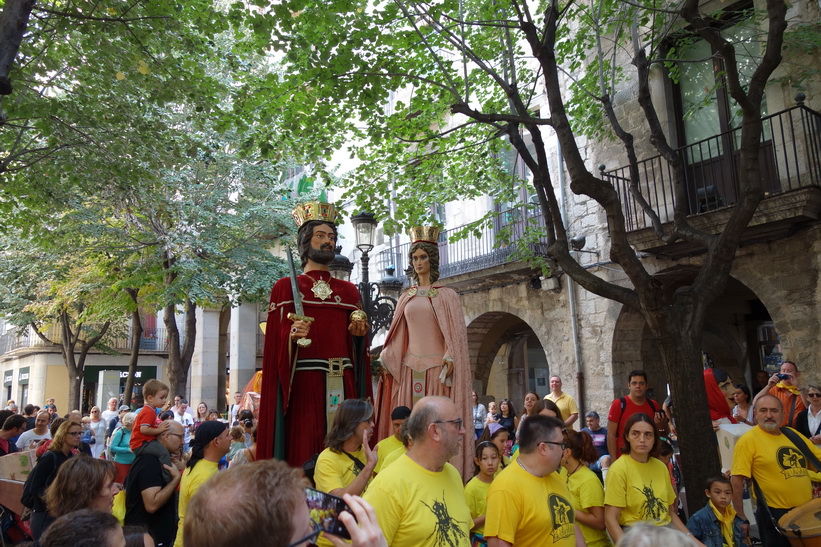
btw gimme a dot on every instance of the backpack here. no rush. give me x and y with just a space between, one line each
623 402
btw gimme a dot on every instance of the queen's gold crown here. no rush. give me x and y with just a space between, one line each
315 210
424 233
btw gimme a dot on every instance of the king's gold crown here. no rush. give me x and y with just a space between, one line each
424 233
315 210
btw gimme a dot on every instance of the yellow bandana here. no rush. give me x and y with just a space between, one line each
726 521
792 389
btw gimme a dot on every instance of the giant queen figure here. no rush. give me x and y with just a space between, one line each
425 352
303 383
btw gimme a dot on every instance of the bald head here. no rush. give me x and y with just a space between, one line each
172 439
436 428
425 412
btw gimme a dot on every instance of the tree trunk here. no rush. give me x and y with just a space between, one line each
136 336
180 354
13 23
678 330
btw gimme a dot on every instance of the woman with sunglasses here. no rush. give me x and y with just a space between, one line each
808 423
62 447
638 487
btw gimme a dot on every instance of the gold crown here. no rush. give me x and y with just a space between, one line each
424 233
315 210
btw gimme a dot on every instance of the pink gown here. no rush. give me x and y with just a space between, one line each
425 330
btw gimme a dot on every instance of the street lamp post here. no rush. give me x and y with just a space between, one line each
378 306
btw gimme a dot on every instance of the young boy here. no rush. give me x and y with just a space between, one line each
716 524
147 426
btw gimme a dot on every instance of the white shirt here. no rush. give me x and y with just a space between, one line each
27 436
813 421
234 411
108 415
185 421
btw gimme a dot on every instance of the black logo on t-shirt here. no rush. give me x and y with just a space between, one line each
792 462
446 530
561 513
653 508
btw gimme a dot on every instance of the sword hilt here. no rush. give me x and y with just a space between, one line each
297 317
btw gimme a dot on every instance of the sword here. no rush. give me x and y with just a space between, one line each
300 312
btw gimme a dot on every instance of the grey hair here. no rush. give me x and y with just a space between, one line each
129 418
646 535
420 419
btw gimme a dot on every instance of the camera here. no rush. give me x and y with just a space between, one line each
782 376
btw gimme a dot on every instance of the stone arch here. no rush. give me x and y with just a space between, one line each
730 335
500 334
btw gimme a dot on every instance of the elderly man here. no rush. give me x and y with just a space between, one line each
529 503
566 403
776 464
39 432
149 499
419 499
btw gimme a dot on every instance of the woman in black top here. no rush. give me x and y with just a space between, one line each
62 447
508 418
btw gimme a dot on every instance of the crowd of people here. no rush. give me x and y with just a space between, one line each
535 479
416 469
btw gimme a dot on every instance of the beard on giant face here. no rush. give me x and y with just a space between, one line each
324 255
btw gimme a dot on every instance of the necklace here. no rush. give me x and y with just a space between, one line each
577 468
321 289
519 461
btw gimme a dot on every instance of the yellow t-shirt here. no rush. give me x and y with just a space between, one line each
526 510
566 404
642 490
476 496
776 464
385 448
418 508
336 470
192 479
585 492
393 456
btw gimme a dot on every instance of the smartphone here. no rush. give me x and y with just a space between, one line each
325 509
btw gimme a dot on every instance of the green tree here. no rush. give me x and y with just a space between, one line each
469 75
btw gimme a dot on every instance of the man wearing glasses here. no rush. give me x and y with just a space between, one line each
529 503
419 499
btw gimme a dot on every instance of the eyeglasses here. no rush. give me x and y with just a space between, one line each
457 421
560 445
813 395
310 537
75 433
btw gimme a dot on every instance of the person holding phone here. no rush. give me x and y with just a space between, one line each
783 385
277 513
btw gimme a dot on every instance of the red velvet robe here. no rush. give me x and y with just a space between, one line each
292 417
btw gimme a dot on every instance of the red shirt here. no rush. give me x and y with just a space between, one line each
147 416
630 408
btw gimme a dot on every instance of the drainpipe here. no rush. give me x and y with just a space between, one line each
571 292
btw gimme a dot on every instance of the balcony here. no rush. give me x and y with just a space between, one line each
790 162
496 250
152 340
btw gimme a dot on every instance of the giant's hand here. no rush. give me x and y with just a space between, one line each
358 328
299 329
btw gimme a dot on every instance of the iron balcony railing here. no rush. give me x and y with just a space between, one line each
153 339
790 158
510 235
